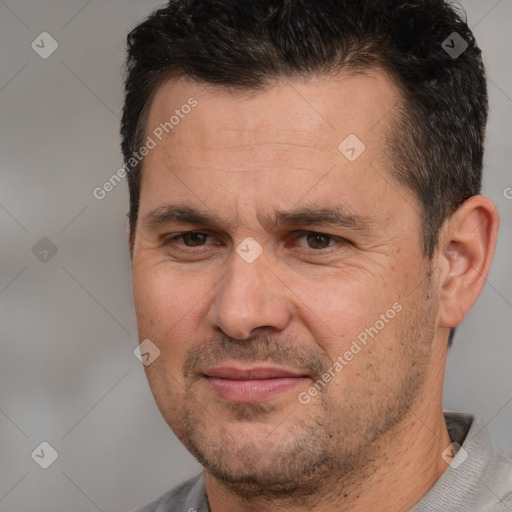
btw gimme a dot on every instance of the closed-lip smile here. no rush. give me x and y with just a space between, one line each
252 384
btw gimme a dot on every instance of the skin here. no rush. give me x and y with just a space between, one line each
372 438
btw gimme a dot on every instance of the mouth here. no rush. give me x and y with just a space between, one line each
252 385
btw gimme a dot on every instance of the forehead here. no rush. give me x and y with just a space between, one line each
309 112
273 145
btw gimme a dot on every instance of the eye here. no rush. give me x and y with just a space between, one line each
191 239
317 241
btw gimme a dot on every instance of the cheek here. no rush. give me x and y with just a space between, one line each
159 295
337 309
169 307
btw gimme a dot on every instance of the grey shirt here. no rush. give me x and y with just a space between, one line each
480 482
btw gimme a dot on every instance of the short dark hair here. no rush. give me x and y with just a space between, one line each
435 144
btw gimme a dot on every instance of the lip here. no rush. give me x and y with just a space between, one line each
256 384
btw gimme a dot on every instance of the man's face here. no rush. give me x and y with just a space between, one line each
332 272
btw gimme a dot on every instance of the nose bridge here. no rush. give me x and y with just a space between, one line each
249 297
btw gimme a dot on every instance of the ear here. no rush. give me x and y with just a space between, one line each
466 246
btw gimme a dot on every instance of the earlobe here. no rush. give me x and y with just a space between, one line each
466 247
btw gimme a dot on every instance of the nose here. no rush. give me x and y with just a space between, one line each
250 296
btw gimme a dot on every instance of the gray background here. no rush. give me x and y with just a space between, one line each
68 375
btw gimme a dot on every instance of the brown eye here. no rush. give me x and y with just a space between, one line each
318 240
194 239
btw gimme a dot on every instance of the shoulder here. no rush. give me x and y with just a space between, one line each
190 496
499 481
478 479
492 468
485 475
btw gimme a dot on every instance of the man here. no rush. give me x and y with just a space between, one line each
306 232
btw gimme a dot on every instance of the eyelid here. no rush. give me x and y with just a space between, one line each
304 232
175 236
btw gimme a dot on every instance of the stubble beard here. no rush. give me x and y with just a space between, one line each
321 443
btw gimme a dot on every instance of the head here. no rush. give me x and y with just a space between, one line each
340 146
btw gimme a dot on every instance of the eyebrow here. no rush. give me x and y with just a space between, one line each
305 216
180 214
337 217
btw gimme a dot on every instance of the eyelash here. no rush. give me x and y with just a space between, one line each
297 235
